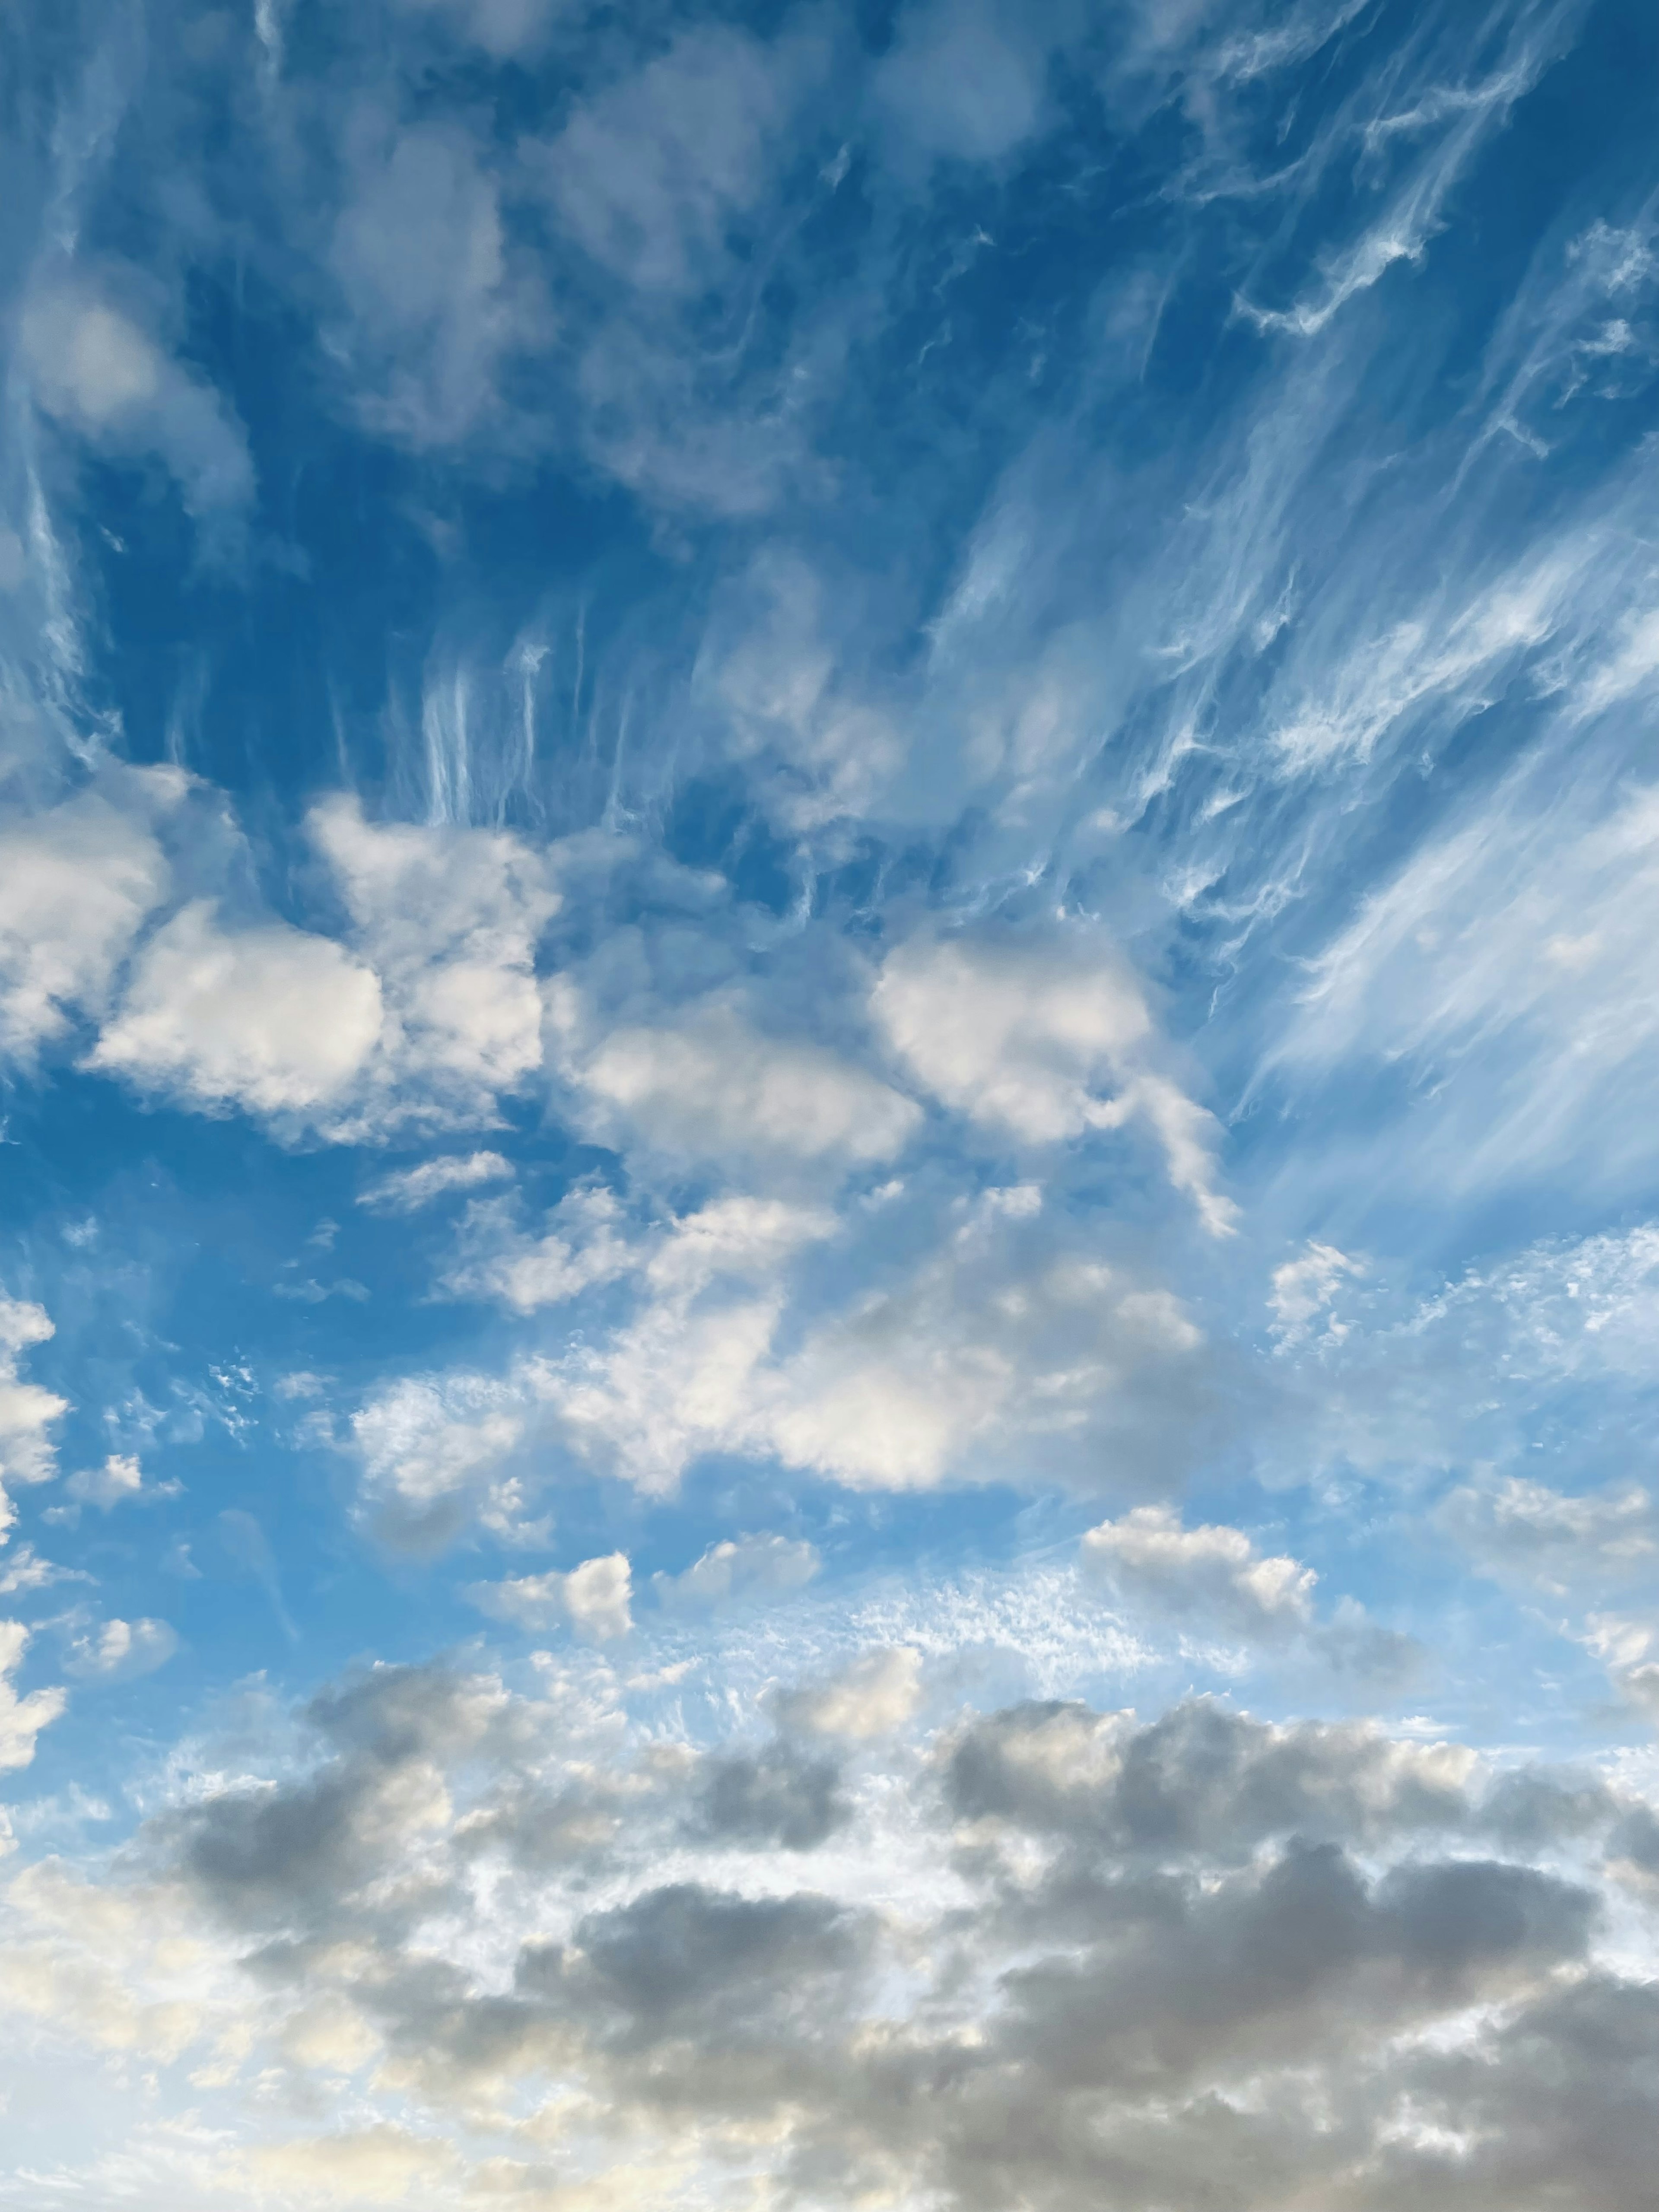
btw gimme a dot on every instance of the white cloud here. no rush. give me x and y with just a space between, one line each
94 368
875 1694
648 174
739 1567
1020 1037
1303 1288
119 1651
502 27
432 294
1212 1577
269 1018
713 1087
580 1249
118 1482
1513 1527
76 884
21 1719
594 1598
432 1449
960 82
410 1188
27 1412
1628 1649
449 919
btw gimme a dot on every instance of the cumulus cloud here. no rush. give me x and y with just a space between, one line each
714 1088
431 1449
594 1598
96 369
1020 1036
21 1718
992 1344
739 1567
1069 1952
27 1412
1213 1576
1304 1288
448 919
1513 1527
77 882
118 1482
876 1694
269 1017
581 1247
118 1650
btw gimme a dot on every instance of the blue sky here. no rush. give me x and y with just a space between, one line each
830 1202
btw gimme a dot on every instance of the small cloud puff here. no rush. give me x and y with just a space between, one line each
594 1599
21 1719
97 371
119 1651
1213 1577
740 1567
1019 1037
871 1698
27 1412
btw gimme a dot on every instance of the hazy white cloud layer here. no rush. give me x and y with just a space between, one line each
829 1179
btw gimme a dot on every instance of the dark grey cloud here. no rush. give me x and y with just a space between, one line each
1199 1959
774 1797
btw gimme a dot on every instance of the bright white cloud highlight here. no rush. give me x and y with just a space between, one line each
27 1412
269 1018
1021 1037
594 1599
21 1719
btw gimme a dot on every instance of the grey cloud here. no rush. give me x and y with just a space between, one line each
1217 1963
776 1796
688 1962
1201 1780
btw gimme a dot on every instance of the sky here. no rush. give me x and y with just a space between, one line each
829 1105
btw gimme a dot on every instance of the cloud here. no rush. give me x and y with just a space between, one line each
449 920
594 1598
737 1568
1213 1577
964 81
432 295
269 1017
1513 1527
714 1088
77 882
876 1694
1053 1957
119 1651
1304 1288
1019 1037
118 1482
581 1247
650 175
21 1719
96 369
431 1449
410 1188
27 1412
777 1798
